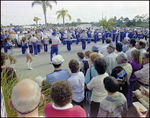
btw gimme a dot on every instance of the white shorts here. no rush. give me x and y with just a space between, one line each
27 51
9 52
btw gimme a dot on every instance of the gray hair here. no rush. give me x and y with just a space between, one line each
112 46
29 102
123 57
127 39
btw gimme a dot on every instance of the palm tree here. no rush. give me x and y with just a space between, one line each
36 20
44 4
106 24
62 13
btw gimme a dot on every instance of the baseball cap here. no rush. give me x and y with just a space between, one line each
54 33
95 48
57 59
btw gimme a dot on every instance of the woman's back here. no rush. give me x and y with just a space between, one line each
53 111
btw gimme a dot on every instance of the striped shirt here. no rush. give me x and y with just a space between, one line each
113 105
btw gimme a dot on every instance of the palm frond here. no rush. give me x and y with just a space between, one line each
69 16
58 17
36 2
58 12
48 5
66 11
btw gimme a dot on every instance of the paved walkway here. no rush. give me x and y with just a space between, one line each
41 66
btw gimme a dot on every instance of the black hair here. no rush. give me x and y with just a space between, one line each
111 84
100 65
119 46
56 66
6 39
108 40
132 42
81 55
142 44
95 51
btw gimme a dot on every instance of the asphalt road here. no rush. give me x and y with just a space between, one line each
40 65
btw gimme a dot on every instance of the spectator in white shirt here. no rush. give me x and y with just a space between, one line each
131 45
125 43
142 75
77 83
104 48
111 58
99 93
141 44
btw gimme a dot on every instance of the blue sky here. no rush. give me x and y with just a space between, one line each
21 12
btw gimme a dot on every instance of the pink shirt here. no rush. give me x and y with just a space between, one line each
143 74
75 111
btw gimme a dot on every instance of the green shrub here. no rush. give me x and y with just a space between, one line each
7 87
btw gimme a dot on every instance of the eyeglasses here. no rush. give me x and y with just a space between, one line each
28 111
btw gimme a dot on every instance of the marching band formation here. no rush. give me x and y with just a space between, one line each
33 40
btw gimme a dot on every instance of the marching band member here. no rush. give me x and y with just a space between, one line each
145 33
6 35
114 34
77 33
20 40
95 36
42 41
121 35
89 32
29 36
10 52
68 36
46 41
54 46
83 36
3 41
28 55
135 35
39 42
34 44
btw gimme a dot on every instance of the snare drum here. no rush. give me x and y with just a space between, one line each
79 39
89 39
65 42
83 39
69 41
